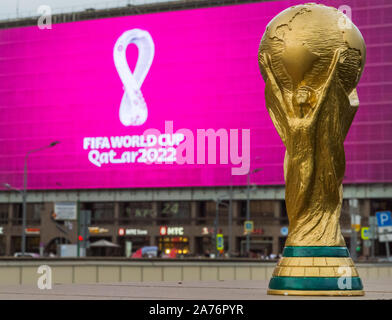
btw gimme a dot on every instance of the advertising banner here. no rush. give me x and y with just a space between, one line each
172 99
65 211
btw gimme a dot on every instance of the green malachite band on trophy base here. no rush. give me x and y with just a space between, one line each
339 252
313 283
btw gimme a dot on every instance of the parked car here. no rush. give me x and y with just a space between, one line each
146 252
26 254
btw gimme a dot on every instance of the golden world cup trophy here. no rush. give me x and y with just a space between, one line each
311 58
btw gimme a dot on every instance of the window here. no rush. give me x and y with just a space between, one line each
33 213
261 211
223 212
174 212
380 205
3 213
100 212
136 212
201 217
284 219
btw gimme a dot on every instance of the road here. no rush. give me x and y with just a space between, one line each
206 290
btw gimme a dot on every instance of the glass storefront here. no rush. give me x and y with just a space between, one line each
32 244
259 246
180 245
204 246
136 243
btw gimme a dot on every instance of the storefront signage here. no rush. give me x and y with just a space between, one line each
135 232
248 226
365 231
32 231
97 230
132 232
256 231
206 230
171 231
219 242
65 211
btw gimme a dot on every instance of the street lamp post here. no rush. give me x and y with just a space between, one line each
248 206
248 212
218 201
230 217
216 226
24 192
230 208
353 209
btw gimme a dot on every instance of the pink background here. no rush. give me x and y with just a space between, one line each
61 84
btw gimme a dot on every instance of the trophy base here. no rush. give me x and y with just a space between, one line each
316 271
316 292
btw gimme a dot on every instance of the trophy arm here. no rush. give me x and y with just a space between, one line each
275 102
327 85
284 107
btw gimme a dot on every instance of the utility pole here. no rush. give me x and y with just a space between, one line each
84 236
24 205
231 217
248 212
218 202
248 206
216 226
373 232
78 230
353 206
24 192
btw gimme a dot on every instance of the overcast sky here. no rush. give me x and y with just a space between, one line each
11 9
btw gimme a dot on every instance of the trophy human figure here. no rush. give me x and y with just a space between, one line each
311 58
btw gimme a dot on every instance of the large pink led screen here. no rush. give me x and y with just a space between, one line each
122 95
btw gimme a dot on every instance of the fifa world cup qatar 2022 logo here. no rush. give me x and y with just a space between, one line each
133 107
182 146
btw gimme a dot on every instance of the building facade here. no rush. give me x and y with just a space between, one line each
181 219
64 85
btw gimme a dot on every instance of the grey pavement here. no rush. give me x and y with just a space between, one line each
202 290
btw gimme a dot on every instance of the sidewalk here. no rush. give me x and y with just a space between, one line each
211 290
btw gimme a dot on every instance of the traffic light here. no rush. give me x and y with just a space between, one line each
84 234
